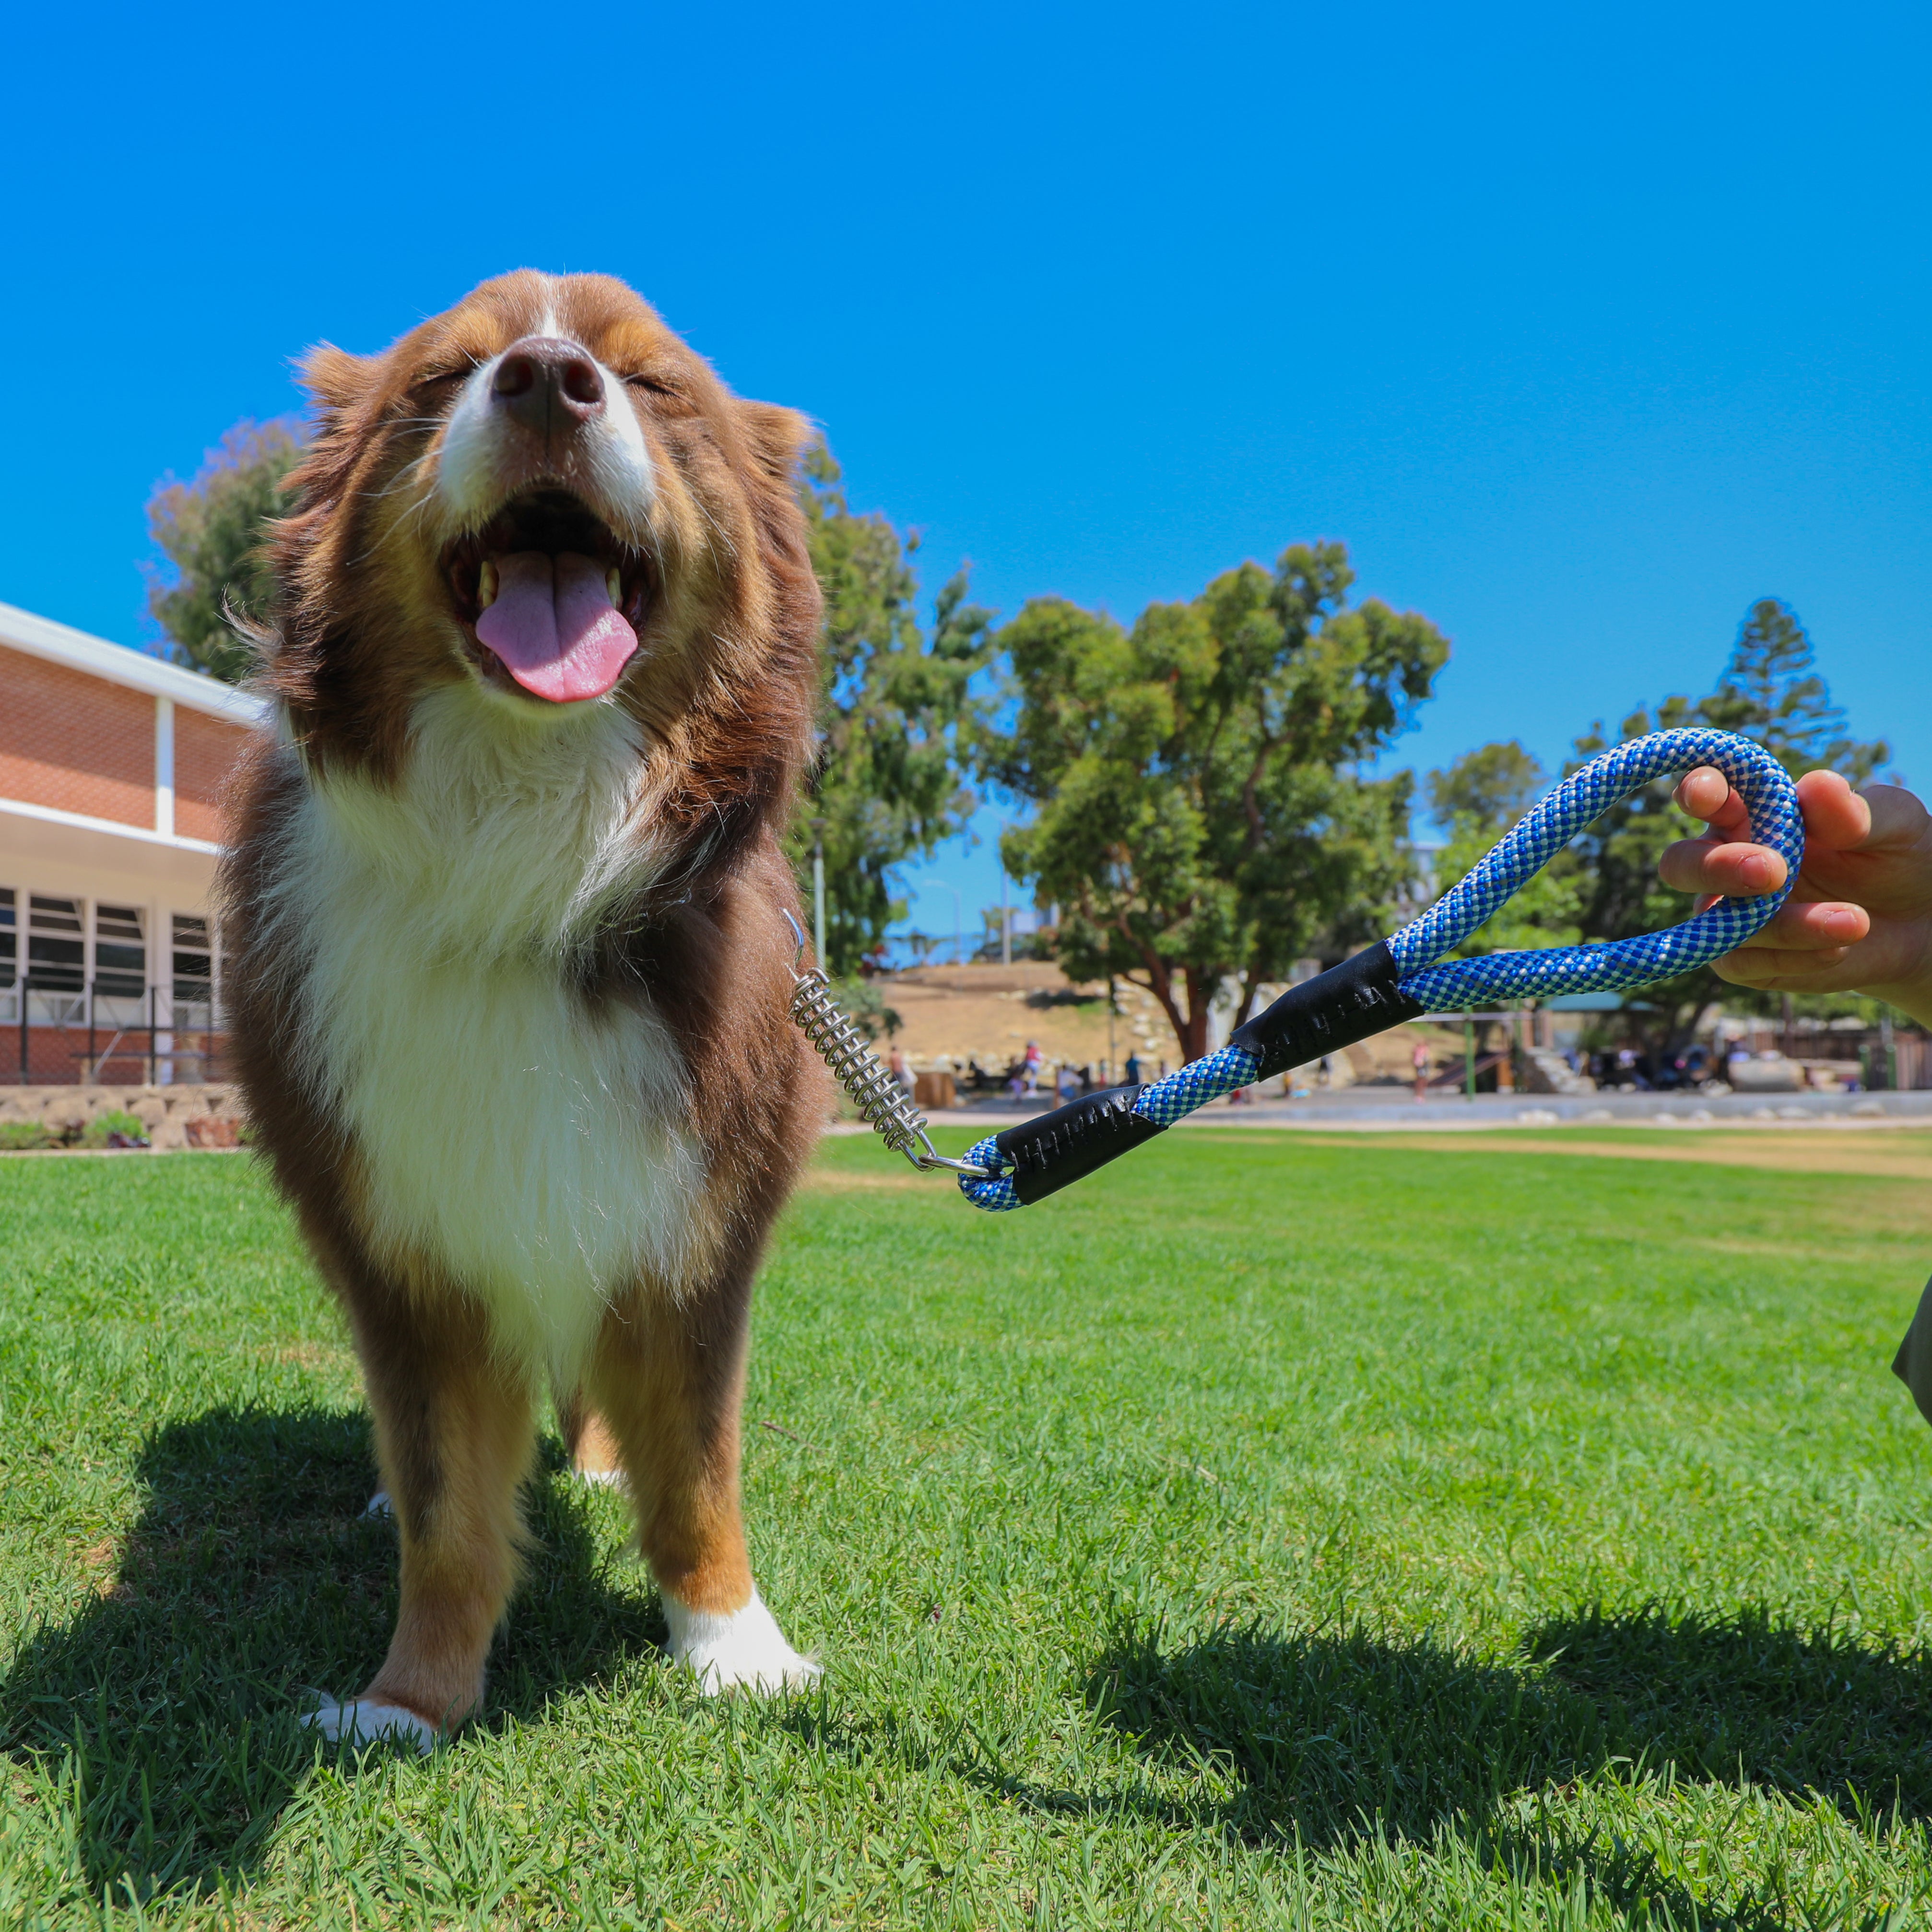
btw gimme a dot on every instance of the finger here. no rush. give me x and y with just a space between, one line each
1832 972
1736 871
1706 794
1812 925
1835 815
1895 817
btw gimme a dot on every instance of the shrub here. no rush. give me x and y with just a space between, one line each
20 1136
114 1129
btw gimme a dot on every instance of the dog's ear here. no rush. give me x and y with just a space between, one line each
336 380
776 437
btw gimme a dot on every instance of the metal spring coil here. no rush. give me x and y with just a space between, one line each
879 1098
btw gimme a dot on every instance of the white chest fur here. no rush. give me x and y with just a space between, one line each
528 1145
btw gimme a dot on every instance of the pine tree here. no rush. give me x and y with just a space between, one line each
1771 690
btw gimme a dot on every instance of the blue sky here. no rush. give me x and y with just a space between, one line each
1583 326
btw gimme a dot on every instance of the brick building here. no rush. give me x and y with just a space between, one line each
112 766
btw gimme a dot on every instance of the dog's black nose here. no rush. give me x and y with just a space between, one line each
548 384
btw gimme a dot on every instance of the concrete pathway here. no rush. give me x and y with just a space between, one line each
1395 1110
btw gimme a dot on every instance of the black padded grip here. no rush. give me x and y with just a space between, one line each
1055 1149
1337 1008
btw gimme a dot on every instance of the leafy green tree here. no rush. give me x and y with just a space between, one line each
1199 816
1488 789
892 703
1475 801
210 531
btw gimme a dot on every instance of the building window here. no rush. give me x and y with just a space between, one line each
56 949
10 935
120 953
193 960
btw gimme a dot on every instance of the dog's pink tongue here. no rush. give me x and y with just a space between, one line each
555 628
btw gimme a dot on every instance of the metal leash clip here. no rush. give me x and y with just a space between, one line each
880 1099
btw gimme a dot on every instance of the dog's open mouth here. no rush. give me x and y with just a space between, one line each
551 596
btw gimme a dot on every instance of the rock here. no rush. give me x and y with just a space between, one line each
1770 1073
167 1113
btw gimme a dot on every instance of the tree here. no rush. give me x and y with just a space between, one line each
1199 814
210 531
1488 789
1475 801
887 782
1770 690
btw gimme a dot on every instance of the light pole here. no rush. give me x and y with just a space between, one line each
818 899
1113 1004
1006 920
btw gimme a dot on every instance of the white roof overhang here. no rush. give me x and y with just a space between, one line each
58 643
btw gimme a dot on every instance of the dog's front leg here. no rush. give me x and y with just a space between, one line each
454 1437
668 1378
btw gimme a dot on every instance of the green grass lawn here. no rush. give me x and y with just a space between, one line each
1258 1535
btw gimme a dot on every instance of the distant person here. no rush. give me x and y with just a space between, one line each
1419 1059
1030 1065
1632 1069
897 1066
1069 1083
1134 1069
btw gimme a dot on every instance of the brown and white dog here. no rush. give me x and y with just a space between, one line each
507 956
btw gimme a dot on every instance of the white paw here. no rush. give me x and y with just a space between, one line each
604 1479
379 1505
743 1649
363 1720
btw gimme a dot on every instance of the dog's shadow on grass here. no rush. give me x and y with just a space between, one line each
1332 1740
168 1706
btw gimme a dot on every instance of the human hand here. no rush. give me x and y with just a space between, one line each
1860 920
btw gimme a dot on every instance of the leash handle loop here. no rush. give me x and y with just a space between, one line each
1771 800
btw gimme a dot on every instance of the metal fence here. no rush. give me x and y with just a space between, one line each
70 1034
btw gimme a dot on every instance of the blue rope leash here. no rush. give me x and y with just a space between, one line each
1408 960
